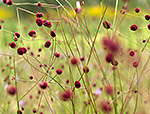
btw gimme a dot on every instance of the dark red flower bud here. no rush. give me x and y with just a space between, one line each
34 110
20 51
11 90
147 17
4 1
74 61
59 71
52 33
47 44
134 27
137 10
9 2
39 14
12 45
39 4
106 25
85 69
131 53
32 33
43 85
77 84
39 22
135 64
16 35
56 54
109 57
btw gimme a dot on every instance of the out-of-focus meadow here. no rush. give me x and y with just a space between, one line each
116 56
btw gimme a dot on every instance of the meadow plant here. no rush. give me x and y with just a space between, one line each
57 59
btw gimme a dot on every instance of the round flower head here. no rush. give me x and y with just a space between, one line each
77 84
4 1
134 27
106 25
43 85
74 61
109 57
12 45
56 54
135 64
20 51
32 33
9 2
85 69
137 10
39 4
59 71
147 17
114 62
47 23
39 22
47 44
11 90
34 110
105 106
52 33
39 14
16 35
0 27
66 95
131 53
109 89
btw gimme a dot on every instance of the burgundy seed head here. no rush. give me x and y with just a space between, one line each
11 90
134 27
148 26
109 89
32 33
106 25
105 106
20 51
143 41
39 4
47 23
147 17
47 44
30 77
59 71
43 85
9 2
40 49
41 65
12 45
0 27
39 14
4 1
110 45
34 110
131 53
85 69
66 95
39 22
114 62
56 54
109 57
74 61
137 10
82 59
53 33
77 84
16 35
19 112
67 81
135 64
118 92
